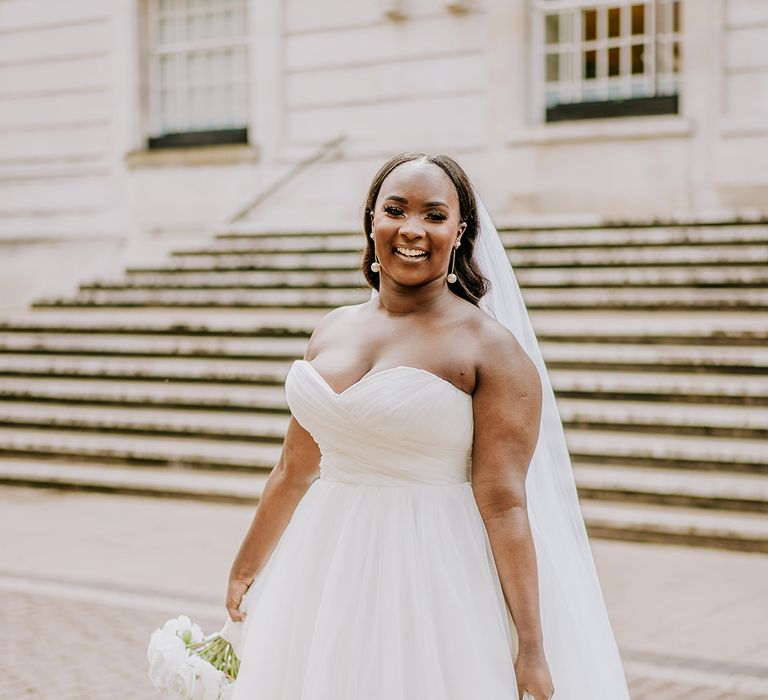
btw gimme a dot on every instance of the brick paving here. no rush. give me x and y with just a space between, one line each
80 633
62 649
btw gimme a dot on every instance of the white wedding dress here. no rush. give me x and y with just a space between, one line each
383 585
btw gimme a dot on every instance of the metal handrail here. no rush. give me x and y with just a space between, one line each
294 171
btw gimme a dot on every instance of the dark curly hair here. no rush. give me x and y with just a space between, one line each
470 285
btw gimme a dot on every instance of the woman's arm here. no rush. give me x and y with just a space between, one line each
507 416
296 469
298 466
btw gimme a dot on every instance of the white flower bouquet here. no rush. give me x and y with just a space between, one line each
185 665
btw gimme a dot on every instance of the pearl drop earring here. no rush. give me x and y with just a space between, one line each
375 266
452 274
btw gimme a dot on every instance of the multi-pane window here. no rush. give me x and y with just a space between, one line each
198 71
623 52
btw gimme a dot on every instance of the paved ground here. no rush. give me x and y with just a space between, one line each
84 579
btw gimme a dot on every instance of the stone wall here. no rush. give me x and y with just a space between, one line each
388 75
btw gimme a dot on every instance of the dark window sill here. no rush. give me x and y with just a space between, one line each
198 138
634 107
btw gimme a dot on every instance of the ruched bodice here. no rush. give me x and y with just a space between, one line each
384 584
398 426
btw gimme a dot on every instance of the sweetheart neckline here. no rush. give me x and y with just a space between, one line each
366 377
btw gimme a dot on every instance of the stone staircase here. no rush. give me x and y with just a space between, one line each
168 381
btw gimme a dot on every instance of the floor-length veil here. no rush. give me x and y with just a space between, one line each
578 640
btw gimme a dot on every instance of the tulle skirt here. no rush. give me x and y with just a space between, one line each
379 593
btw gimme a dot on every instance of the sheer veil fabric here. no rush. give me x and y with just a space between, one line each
578 639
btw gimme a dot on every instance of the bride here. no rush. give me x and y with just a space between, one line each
420 536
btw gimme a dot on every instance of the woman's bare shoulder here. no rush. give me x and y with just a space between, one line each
330 324
499 353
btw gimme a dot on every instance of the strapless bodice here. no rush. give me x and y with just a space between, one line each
399 426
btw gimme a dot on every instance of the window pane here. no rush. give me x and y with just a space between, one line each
195 27
552 28
589 21
167 30
614 21
614 61
198 83
167 70
553 68
622 49
590 65
664 19
663 57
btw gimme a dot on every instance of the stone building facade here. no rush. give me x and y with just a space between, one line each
129 122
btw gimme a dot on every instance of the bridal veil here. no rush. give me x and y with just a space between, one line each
578 639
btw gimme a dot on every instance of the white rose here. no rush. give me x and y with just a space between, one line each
227 691
166 652
181 624
182 681
208 680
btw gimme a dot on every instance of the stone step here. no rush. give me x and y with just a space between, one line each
641 326
749 422
667 236
300 243
659 322
725 327
601 257
667 451
517 250
224 348
615 520
202 298
656 387
147 481
739 492
214 397
250 322
230 450
337 248
735 234
170 412
748 359
219 346
587 298
170 370
256 279
217 425
701 276
653 390
260 369
676 525
186 452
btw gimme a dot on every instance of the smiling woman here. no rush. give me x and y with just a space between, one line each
392 556
424 221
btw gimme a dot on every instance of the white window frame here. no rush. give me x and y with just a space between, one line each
659 39
181 118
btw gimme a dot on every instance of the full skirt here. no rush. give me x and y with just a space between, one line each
379 593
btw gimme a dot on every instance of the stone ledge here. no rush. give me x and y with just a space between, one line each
601 130
233 154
